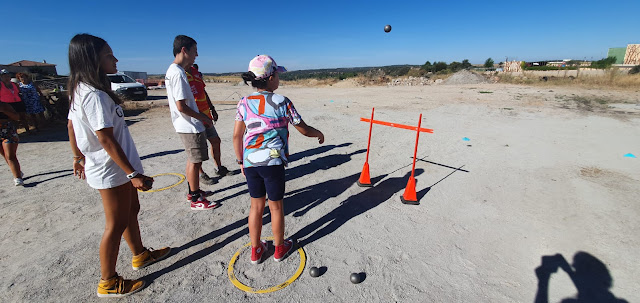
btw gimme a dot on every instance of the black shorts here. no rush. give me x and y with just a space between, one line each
19 107
267 180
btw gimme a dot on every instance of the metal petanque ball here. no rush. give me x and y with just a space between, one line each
355 278
387 28
314 271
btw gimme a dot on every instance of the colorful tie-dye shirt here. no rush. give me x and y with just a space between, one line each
266 117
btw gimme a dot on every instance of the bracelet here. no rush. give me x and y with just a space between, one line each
78 157
240 162
78 160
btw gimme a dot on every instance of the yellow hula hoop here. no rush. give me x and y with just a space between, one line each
239 285
182 178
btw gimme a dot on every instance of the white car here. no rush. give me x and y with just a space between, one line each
127 88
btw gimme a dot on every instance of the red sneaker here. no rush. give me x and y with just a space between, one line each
258 252
282 251
201 203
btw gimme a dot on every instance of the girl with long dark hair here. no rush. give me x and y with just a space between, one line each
104 153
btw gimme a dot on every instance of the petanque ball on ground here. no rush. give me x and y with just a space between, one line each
387 28
355 278
314 271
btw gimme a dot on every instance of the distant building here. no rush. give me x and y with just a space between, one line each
617 52
632 56
32 67
629 55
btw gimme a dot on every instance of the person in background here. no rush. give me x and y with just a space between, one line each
9 141
261 144
32 98
10 93
104 153
205 106
189 123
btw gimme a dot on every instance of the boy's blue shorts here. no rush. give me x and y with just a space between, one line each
267 180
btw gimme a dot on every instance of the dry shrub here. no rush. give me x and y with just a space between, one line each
310 82
223 79
440 76
611 79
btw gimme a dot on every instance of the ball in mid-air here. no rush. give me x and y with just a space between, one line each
387 28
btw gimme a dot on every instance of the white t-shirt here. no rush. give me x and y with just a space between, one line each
93 110
178 89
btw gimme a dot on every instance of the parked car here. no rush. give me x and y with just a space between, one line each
127 88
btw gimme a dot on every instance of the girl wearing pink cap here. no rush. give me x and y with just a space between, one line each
261 143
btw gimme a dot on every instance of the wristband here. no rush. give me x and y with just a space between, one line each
132 175
240 162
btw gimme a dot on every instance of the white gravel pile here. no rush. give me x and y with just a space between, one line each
466 77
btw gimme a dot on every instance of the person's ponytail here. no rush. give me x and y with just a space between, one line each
251 77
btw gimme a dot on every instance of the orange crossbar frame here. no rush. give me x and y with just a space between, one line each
424 130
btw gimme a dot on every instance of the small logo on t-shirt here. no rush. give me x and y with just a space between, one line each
119 111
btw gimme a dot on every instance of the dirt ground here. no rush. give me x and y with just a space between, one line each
510 174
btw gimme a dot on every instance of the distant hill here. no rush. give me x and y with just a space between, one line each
338 73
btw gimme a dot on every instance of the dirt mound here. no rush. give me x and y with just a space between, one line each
466 77
349 82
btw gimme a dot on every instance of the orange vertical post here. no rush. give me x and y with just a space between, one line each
365 179
410 196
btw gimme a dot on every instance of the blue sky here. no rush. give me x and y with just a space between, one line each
320 34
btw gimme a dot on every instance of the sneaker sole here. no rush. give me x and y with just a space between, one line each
122 295
202 208
162 257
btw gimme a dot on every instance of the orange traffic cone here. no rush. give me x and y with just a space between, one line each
410 196
365 180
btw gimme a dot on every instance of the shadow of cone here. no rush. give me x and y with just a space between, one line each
365 179
410 196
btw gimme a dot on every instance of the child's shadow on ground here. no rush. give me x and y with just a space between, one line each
348 209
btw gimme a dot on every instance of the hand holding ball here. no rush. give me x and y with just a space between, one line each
387 28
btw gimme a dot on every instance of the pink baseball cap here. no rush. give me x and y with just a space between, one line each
263 66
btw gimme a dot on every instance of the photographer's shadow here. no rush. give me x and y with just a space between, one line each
590 276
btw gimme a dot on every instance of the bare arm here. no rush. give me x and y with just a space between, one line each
183 108
8 110
238 134
309 131
111 146
78 157
214 114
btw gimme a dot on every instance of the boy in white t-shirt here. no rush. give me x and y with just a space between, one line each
187 120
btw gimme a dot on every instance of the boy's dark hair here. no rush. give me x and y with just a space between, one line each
84 66
182 41
257 83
